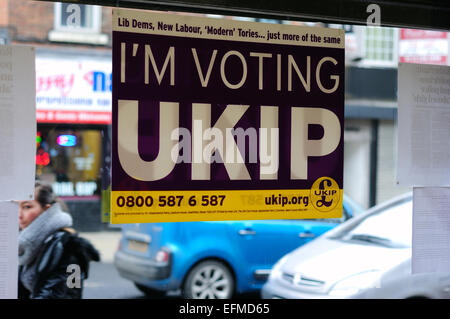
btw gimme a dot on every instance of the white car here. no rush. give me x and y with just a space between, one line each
369 256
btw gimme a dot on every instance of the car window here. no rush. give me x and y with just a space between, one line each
391 227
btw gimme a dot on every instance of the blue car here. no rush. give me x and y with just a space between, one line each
212 259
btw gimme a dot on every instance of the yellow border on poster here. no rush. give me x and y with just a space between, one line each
214 205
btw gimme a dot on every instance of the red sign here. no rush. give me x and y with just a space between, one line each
77 117
423 47
441 60
409 34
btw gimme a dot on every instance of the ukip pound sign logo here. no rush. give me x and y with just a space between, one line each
325 194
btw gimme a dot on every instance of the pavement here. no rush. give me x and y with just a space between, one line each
106 243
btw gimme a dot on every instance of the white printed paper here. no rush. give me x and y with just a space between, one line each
9 260
431 230
423 125
17 122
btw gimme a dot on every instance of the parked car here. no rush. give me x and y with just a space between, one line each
212 259
368 256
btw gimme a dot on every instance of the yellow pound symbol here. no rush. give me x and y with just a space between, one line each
325 194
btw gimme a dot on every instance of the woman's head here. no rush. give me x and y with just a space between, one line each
43 194
29 210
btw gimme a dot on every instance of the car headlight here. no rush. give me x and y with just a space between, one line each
353 284
276 270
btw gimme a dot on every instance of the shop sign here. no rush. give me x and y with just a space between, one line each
73 90
217 119
74 189
423 46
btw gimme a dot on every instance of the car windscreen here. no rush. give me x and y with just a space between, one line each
391 227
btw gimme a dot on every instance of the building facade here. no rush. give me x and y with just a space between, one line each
73 98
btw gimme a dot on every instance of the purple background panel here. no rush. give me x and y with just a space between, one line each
188 90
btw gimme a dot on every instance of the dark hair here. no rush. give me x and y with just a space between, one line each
45 195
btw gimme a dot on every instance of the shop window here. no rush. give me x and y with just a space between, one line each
70 160
381 46
77 23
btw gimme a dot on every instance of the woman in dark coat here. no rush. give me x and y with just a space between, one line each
53 260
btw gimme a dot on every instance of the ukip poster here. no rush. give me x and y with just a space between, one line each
219 119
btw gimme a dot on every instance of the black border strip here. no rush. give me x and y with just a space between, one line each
421 14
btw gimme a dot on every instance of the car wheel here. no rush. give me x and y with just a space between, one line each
149 292
209 279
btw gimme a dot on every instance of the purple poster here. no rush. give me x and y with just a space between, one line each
217 119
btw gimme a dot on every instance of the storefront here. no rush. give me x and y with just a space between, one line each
73 102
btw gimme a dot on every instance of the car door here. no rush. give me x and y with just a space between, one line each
260 243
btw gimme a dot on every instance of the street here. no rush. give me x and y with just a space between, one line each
104 281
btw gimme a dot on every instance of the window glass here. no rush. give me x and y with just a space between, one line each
380 45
